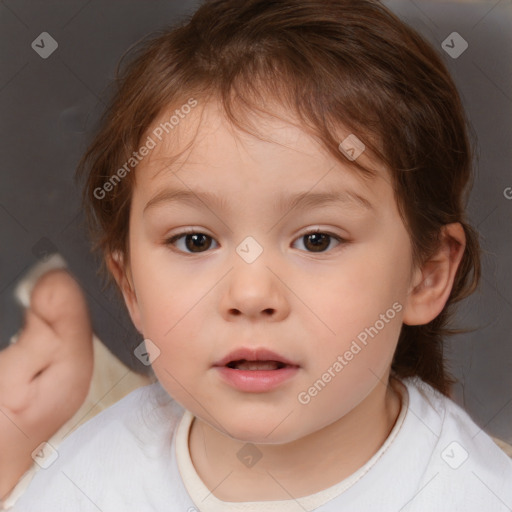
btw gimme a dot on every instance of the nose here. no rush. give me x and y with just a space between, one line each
254 291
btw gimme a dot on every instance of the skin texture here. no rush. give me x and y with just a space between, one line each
308 306
45 375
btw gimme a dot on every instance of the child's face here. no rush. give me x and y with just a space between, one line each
199 299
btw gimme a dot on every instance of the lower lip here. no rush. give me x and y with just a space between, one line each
256 381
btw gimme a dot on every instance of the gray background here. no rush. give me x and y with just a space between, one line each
49 107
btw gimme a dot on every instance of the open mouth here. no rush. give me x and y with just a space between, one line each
255 371
244 364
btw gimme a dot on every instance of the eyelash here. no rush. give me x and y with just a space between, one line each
172 240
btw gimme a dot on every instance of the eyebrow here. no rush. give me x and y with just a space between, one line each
282 202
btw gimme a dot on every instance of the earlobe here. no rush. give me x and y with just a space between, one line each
432 284
122 275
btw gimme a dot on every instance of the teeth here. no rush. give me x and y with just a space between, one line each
257 365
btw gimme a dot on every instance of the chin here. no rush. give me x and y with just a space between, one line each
264 430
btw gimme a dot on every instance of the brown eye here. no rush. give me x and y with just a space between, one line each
198 242
318 242
193 242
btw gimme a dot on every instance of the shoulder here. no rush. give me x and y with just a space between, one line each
146 416
116 447
466 468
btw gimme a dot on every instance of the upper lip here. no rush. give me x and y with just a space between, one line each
253 354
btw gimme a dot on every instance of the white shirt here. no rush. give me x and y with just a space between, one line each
134 457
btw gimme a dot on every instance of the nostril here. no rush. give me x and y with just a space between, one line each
267 311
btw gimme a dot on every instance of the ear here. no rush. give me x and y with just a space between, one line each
431 284
123 277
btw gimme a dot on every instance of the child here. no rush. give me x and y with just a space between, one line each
278 190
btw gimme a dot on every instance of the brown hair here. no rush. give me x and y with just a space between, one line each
349 63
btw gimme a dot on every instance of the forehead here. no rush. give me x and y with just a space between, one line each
205 149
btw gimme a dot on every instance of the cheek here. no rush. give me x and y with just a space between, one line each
345 367
171 306
378 273
360 309
354 296
164 293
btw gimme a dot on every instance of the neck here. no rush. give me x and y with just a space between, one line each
286 470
